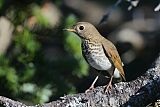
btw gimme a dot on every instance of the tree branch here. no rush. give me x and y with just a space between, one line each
107 14
137 93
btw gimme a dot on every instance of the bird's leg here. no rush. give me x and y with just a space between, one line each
109 85
92 85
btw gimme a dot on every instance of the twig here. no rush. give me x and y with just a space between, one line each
157 7
105 17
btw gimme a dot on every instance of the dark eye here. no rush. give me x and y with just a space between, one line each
81 27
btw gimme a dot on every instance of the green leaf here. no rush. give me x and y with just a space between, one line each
12 78
70 20
44 94
73 46
28 73
1 3
28 88
41 18
27 39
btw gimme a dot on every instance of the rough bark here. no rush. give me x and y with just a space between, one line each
137 93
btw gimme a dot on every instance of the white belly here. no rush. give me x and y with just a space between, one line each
102 63
98 60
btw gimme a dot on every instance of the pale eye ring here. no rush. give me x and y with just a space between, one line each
81 27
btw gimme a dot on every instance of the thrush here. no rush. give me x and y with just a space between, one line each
99 52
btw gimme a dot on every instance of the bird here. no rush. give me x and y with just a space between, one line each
99 52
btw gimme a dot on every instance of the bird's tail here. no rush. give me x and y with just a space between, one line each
117 76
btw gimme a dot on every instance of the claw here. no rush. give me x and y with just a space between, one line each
92 86
108 87
89 89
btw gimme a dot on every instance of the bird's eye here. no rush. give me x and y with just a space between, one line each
81 27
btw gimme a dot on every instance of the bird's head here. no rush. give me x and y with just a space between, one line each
84 30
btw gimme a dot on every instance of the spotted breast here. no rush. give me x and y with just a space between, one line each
95 56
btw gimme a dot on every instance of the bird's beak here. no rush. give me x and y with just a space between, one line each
70 29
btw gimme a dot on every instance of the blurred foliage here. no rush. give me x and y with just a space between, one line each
73 46
36 12
43 62
25 72
1 3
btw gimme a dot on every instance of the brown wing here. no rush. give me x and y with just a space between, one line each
112 53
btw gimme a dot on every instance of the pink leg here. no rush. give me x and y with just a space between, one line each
109 85
92 86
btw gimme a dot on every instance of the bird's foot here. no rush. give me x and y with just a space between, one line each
92 86
89 89
108 87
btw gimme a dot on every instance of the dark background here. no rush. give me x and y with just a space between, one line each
39 62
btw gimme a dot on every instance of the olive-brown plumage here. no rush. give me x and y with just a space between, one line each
99 52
